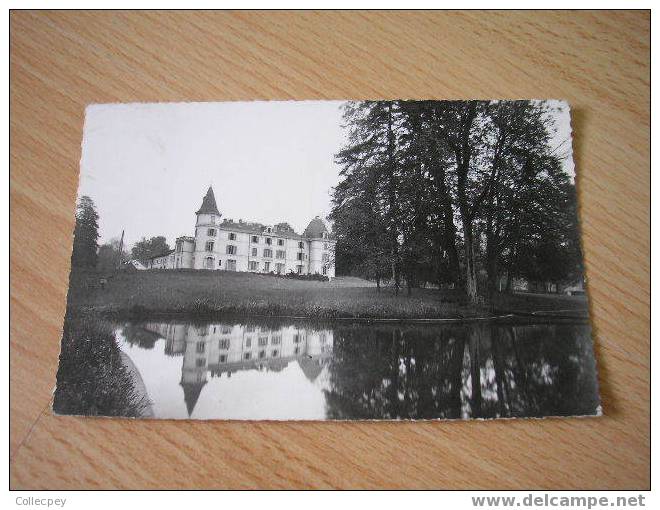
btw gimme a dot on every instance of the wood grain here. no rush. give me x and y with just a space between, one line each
598 61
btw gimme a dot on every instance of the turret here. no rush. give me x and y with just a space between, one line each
321 248
208 213
206 234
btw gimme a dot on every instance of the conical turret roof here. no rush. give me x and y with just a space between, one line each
208 204
316 228
191 393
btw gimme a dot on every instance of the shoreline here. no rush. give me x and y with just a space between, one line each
510 317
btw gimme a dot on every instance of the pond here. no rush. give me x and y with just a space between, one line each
306 370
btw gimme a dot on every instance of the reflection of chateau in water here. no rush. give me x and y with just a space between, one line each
374 371
218 349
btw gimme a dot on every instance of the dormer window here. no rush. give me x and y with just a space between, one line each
255 239
232 236
269 240
269 230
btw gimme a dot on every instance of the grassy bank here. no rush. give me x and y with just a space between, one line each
92 379
217 293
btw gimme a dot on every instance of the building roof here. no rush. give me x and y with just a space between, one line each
191 393
282 229
162 254
316 228
208 204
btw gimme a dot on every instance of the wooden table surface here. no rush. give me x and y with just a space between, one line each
599 62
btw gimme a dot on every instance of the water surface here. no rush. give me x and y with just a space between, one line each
311 370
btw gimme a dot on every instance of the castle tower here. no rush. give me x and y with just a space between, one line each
206 234
321 248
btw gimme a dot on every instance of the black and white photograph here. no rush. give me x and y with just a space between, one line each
327 260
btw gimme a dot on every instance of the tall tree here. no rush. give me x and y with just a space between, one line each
152 247
85 234
370 171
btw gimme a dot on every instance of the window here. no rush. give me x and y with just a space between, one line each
262 354
296 350
296 338
209 263
247 355
200 362
179 247
210 232
231 249
249 329
231 265
219 263
226 330
301 256
232 236
269 240
275 353
268 253
280 242
263 340
254 252
201 347
325 271
267 267
248 342
299 269
279 268
301 245
255 239
213 219
209 245
325 235
223 344
276 340
280 254
254 266
222 359
269 230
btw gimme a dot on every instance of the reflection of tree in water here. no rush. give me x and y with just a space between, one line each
137 335
428 372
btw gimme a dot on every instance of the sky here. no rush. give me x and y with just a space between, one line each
148 166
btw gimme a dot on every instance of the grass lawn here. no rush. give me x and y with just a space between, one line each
219 292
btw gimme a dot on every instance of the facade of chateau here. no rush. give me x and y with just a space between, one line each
222 244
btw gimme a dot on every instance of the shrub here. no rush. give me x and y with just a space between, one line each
92 378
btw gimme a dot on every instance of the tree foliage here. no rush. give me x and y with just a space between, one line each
109 257
152 247
448 191
85 234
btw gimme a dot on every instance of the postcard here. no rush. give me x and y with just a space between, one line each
327 260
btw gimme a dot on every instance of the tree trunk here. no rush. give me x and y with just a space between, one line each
470 270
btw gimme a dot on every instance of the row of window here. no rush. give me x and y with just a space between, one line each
232 249
253 265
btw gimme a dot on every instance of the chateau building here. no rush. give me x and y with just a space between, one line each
223 244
